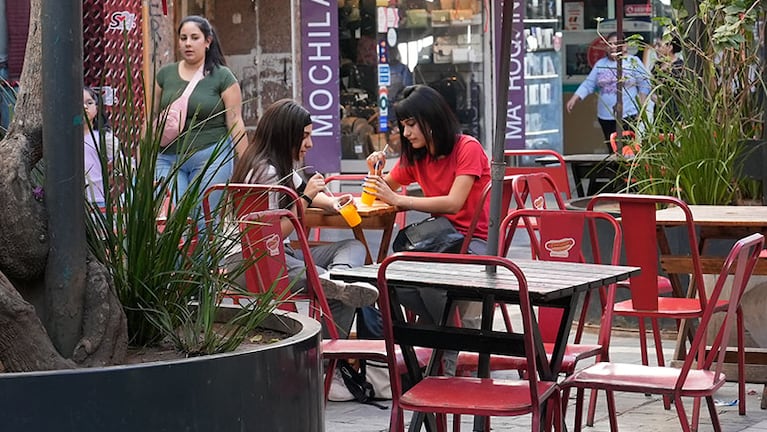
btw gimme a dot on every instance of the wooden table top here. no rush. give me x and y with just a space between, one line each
716 215
377 209
547 281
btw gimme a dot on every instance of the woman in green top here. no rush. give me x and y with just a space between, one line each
214 109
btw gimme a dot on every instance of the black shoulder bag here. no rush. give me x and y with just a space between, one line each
435 234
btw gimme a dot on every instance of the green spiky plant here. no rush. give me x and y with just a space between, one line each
694 148
166 272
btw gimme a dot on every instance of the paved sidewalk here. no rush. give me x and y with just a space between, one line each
635 411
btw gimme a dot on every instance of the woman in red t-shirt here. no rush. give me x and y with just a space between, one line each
452 169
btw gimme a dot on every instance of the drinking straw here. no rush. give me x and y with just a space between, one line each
375 167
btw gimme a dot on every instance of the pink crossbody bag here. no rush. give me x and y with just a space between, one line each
175 113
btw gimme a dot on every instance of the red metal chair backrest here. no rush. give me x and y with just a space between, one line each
239 200
740 262
558 172
637 213
627 149
503 264
534 188
560 238
246 198
482 203
263 243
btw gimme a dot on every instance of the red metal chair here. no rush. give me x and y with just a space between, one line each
639 237
463 395
558 172
237 201
263 243
627 149
533 188
701 373
562 236
483 202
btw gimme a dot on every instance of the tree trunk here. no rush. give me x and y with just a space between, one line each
24 342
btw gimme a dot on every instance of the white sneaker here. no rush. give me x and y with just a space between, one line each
338 390
357 294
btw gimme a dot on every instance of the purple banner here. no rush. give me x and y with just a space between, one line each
515 105
320 82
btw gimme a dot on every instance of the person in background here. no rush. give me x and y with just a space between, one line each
604 79
666 72
95 128
214 110
452 170
401 76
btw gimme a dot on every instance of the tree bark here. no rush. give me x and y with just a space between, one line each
24 342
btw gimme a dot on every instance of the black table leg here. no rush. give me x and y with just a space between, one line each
483 365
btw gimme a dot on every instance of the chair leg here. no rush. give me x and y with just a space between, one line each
643 341
578 410
741 363
331 368
592 407
559 414
506 317
713 413
565 398
441 422
396 419
612 413
659 354
695 413
582 317
456 423
658 342
683 421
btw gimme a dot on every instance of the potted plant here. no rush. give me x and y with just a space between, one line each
709 111
144 286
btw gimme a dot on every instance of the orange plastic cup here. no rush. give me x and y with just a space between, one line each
345 206
367 197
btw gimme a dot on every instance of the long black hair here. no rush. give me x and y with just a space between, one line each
434 117
276 142
214 55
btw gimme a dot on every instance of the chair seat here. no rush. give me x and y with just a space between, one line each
643 379
467 361
671 307
369 349
480 396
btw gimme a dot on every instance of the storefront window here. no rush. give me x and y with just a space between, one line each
386 45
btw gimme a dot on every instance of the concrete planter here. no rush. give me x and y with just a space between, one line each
277 387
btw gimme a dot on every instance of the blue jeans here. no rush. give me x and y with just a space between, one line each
7 100
196 164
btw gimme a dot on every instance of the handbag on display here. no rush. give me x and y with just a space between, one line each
175 113
435 234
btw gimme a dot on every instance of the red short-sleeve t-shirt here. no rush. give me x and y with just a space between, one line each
436 177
